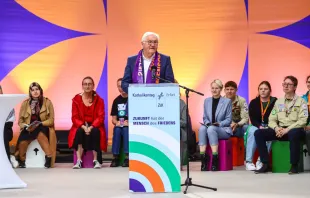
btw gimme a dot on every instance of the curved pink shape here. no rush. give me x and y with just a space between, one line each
272 58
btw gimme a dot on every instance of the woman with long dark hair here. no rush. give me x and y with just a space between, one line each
36 120
259 111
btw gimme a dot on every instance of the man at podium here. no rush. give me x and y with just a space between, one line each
140 67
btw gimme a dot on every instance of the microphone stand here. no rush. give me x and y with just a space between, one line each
188 181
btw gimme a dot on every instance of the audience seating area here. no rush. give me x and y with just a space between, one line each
231 153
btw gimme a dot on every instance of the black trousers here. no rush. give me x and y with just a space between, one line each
8 136
308 141
294 136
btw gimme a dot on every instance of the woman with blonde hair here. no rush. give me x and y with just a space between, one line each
216 124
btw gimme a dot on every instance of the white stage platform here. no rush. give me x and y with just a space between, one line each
113 183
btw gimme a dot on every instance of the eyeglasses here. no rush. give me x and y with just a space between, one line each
151 42
287 85
87 84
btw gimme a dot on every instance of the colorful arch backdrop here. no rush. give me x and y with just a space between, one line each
57 43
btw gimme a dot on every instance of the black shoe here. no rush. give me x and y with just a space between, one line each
126 163
264 169
115 162
215 163
204 162
293 170
21 164
48 162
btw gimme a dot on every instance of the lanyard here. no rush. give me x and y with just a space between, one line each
263 111
289 108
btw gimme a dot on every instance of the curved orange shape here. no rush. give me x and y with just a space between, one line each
149 173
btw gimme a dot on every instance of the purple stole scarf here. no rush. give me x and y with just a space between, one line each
138 75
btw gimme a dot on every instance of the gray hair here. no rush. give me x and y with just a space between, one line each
146 34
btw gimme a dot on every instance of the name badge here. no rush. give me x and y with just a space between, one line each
281 107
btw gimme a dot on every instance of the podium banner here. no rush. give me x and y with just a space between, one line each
154 138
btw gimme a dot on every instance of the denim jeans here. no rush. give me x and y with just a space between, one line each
240 131
251 144
118 133
212 135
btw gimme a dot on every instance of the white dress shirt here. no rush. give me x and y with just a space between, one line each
146 64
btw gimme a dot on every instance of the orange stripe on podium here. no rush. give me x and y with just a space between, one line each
149 173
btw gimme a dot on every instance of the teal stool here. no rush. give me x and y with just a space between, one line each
281 157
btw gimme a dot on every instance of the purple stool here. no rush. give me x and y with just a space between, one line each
87 159
225 155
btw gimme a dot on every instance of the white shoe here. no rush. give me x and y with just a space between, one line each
250 166
259 164
78 165
14 162
97 165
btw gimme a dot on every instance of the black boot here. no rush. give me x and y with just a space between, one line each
126 163
204 162
293 170
215 163
264 169
21 164
115 161
48 162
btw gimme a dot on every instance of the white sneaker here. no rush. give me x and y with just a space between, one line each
259 164
97 165
78 165
250 166
14 162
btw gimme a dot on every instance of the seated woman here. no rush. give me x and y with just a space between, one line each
183 130
306 97
36 121
87 132
259 111
216 124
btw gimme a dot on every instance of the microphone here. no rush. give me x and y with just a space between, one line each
153 68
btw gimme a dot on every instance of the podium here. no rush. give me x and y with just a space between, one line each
8 177
154 138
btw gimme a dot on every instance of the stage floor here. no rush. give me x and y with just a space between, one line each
113 183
